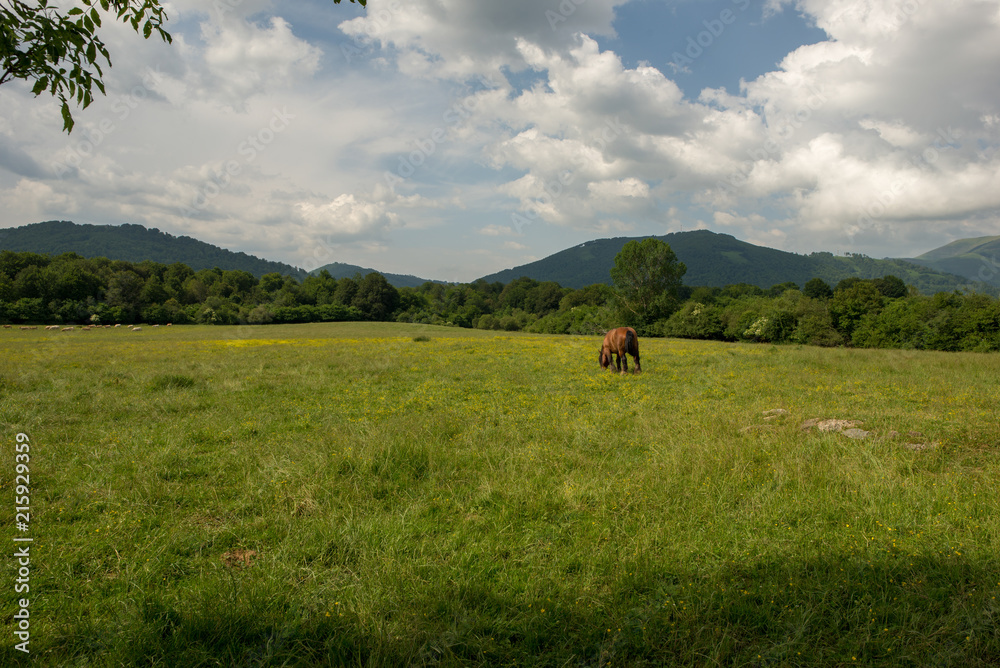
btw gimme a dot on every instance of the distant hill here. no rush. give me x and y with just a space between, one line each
134 243
715 260
977 259
341 270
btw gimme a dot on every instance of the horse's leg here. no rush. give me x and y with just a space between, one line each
634 350
624 362
618 362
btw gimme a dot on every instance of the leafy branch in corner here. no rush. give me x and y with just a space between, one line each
61 51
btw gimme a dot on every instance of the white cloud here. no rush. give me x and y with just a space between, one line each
347 217
243 59
462 39
877 134
497 231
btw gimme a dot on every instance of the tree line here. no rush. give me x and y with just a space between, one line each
647 293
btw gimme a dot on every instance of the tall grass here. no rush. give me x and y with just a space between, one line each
350 494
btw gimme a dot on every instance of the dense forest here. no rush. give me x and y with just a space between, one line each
133 243
883 312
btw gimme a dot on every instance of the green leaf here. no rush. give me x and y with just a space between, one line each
74 11
95 16
147 30
67 118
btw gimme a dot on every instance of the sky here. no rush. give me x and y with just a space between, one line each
450 139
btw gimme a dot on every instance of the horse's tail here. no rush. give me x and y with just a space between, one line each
631 343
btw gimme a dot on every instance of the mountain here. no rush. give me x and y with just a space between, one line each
975 259
715 260
341 270
134 243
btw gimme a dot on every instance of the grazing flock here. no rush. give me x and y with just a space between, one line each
83 328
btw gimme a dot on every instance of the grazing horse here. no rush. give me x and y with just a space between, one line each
620 342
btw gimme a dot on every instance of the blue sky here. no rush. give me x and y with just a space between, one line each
454 138
746 43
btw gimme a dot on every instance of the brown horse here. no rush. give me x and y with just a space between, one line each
620 342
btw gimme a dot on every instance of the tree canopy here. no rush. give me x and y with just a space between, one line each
70 289
647 276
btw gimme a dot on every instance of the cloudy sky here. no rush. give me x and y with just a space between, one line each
453 138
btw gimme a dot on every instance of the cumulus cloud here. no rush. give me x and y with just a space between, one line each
242 59
347 217
506 112
872 123
463 39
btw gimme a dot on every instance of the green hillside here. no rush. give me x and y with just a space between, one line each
716 260
134 243
959 247
341 270
977 259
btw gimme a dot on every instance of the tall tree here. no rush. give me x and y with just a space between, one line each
376 297
61 51
647 275
817 288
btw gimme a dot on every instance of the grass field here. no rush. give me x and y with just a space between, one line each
383 494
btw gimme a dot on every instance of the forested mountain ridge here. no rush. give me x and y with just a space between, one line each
716 260
135 243
342 270
977 259
712 259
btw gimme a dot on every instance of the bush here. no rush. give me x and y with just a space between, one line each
814 326
586 320
487 321
902 324
695 321
289 314
260 316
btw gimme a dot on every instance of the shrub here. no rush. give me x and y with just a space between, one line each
695 321
261 315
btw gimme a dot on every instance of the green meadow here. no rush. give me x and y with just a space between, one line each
371 494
